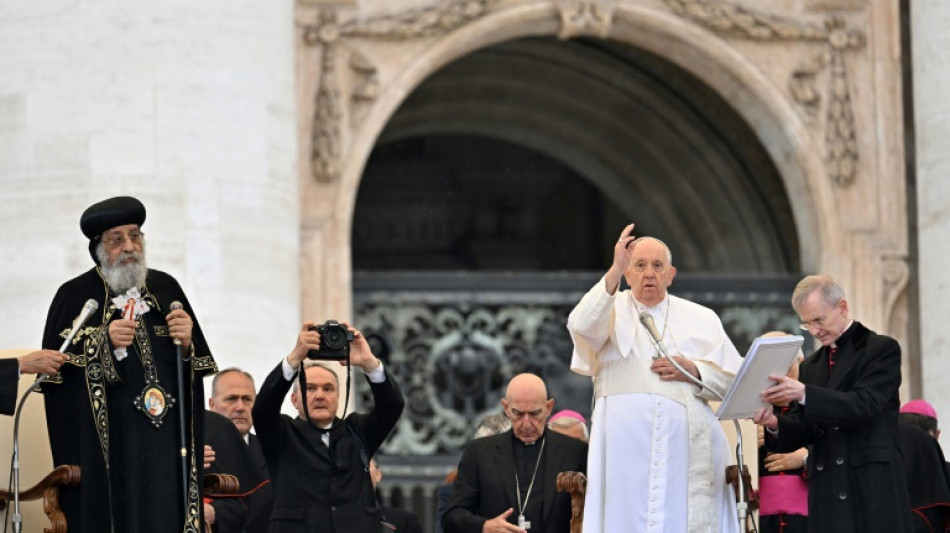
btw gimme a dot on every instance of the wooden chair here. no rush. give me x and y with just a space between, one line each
68 475
575 484
48 489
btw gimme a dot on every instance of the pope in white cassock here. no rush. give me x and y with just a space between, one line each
658 455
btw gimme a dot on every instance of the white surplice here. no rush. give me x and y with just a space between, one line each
654 445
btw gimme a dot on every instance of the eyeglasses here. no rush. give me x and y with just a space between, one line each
114 240
817 323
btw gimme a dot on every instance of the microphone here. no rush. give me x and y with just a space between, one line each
174 306
90 307
647 320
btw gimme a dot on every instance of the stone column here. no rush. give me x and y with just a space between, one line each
931 74
188 106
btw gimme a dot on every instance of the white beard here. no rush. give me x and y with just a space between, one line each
122 277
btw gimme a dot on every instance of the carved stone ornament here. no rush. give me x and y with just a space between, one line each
326 140
895 273
585 17
841 150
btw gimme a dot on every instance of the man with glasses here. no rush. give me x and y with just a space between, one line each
658 455
508 482
845 406
114 407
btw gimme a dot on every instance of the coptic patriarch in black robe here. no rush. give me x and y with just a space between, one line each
114 410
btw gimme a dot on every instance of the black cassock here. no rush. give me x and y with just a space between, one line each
118 420
9 381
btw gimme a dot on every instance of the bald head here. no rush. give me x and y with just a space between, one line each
527 405
526 386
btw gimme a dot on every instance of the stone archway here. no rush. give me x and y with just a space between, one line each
817 85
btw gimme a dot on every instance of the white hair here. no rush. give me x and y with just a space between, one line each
669 254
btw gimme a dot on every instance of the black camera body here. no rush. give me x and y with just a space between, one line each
335 341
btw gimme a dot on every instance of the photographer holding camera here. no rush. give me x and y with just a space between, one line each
318 462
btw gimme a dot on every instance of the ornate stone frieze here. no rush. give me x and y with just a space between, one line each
330 111
585 17
836 38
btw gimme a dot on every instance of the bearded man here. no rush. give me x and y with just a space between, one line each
114 407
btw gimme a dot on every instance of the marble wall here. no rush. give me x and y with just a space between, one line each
187 106
931 75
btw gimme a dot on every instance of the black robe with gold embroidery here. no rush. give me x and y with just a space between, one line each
130 466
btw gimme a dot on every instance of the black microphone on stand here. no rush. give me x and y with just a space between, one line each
742 506
88 309
182 449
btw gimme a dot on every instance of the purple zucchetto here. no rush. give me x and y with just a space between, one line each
919 407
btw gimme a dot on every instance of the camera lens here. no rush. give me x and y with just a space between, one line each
335 338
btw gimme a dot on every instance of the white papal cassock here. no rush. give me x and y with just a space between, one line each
654 445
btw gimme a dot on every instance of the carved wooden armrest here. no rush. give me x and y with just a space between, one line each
575 484
752 496
48 490
221 484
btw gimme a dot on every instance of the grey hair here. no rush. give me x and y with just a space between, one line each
669 254
307 363
831 292
492 425
568 422
229 370
121 278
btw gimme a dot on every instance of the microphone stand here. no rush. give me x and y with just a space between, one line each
88 309
742 506
17 517
182 448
